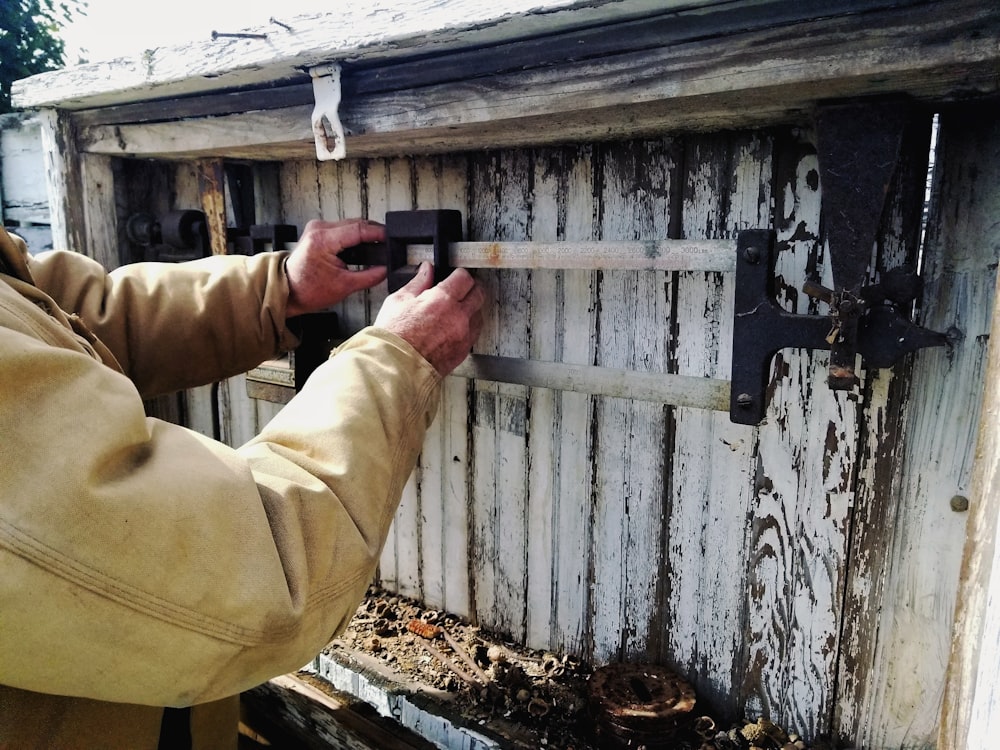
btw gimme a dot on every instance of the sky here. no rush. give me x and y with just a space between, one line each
125 28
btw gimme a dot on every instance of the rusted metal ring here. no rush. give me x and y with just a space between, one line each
631 701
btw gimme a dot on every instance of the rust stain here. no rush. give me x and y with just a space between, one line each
493 254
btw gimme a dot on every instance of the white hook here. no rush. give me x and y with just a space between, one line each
327 129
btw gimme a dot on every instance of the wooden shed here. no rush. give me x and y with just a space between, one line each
584 488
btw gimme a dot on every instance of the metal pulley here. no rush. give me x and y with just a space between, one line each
175 237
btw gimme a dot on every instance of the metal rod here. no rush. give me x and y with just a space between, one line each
461 654
466 677
678 390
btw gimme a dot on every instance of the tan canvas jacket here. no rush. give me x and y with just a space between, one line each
144 565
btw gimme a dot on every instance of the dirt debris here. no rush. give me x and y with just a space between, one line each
529 696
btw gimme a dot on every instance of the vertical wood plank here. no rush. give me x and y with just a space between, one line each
970 717
500 195
803 488
300 192
880 435
727 187
572 433
390 188
237 414
629 451
440 182
543 419
100 209
903 702
64 181
212 189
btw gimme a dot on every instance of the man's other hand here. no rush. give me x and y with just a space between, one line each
317 277
441 322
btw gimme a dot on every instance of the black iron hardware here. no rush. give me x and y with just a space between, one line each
257 237
439 227
319 332
859 146
175 237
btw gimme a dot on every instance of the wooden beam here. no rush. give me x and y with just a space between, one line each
212 190
357 32
970 715
65 189
764 76
319 719
362 77
652 255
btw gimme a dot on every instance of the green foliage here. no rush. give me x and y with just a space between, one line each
29 38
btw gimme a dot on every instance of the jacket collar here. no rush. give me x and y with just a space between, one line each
13 257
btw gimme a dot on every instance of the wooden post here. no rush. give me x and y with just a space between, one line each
969 717
65 182
212 187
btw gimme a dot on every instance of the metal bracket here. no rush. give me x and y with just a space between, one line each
440 227
328 131
859 149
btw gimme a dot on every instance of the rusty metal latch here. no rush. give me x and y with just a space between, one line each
859 146
327 129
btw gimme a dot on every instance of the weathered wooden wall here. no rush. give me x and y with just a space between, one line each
806 569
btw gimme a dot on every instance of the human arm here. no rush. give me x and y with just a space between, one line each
157 566
173 326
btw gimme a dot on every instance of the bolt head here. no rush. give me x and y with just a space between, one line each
752 255
744 400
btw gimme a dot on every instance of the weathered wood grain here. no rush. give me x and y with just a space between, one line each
629 463
970 717
100 214
500 200
63 181
444 462
801 486
353 31
614 529
876 504
770 75
726 187
938 450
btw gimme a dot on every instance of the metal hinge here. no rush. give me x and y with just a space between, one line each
326 126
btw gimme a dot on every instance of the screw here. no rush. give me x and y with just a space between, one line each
960 503
752 255
744 400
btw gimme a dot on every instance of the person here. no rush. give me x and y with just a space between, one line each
147 566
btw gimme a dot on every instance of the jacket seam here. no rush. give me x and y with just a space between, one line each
38 330
33 550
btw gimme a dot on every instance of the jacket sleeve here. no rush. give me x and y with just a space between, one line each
144 563
175 326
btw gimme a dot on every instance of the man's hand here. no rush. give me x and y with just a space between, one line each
317 278
441 322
